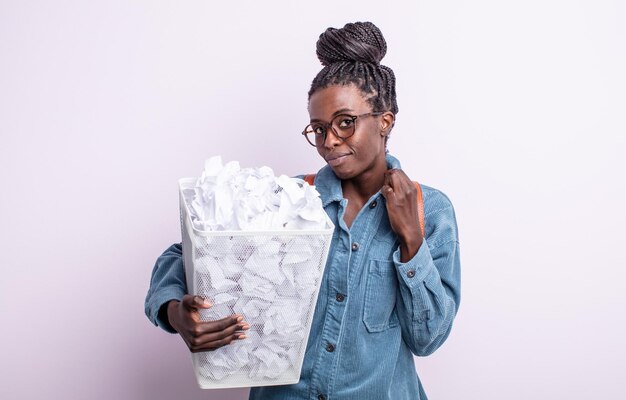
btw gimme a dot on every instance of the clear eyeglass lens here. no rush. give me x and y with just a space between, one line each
342 125
311 136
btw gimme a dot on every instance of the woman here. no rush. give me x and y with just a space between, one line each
388 292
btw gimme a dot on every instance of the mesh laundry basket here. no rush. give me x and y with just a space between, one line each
272 278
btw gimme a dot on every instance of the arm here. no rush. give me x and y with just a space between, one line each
429 295
167 283
167 305
428 269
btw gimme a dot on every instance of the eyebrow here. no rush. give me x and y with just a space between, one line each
340 111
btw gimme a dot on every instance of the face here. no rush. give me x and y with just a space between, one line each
365 150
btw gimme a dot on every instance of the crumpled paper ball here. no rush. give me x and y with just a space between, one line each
228 197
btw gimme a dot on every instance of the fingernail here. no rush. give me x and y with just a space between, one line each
245 327
241 337
207 303
239 318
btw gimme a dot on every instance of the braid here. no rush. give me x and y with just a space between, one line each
351 55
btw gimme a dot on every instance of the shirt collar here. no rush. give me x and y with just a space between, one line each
329 186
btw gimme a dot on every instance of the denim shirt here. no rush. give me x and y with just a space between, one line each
373 311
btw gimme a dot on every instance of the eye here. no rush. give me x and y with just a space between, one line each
318 130
345 122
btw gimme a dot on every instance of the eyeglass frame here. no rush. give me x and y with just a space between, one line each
326 125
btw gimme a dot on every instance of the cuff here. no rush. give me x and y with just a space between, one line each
416 269
157 301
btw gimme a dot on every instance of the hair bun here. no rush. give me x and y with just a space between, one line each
359 41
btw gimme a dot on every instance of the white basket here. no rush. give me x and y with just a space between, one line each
280 273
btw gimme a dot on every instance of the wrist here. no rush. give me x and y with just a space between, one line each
409 248
171 311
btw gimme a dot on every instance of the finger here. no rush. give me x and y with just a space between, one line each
398 178
386 190
224 324
197 329
387 181
403 187
206 327
392 179
212 340
214 345
400 173
202 302
207 340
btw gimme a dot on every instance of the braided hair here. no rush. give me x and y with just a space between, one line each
352 55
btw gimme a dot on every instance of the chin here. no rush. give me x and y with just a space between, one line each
344 173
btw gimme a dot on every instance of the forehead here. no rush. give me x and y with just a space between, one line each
328 101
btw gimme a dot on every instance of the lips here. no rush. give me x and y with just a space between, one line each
335 159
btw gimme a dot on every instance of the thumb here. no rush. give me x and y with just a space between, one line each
387 190
193 302
387 187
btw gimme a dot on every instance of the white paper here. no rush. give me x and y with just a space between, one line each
228 197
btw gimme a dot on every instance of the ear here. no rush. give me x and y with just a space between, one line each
386 123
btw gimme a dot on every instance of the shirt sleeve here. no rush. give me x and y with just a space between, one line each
167 283
429 285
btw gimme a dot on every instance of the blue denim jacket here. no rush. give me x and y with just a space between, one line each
373 312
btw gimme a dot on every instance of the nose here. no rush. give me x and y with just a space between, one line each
331 140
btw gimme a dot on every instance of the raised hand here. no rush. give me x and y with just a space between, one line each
401 200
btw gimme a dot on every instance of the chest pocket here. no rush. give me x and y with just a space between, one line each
380 296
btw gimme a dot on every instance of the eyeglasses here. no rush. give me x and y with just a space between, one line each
343 126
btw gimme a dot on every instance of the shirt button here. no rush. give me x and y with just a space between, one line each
373 204
410 273
340 297
321 397
330 348
355 246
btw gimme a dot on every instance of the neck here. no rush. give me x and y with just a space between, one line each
362 187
